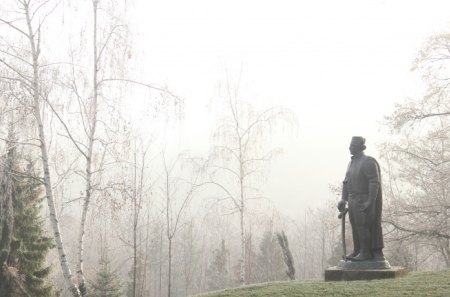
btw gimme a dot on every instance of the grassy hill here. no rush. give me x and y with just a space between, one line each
414 284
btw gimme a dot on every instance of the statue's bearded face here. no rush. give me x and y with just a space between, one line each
355 148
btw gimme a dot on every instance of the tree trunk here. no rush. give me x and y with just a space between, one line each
71 286
242 260
242 213
242 279
169 281
93 120
135 223
160 262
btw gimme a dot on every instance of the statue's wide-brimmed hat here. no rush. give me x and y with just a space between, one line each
359 141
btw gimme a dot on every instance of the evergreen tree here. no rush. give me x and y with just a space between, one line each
34 245
270 259
107 283
287 255
27 274
218 277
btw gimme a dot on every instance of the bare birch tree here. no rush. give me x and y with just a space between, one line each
419 188
137 190
94 147
26 68
239 155
418 158
178 194
97 112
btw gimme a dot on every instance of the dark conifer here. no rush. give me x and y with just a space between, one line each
24 272
107 283
287 255
30 245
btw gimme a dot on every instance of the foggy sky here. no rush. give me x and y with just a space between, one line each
339 65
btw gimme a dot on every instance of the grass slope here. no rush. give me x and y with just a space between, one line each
435 284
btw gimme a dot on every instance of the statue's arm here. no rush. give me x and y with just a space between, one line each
344 190
372 173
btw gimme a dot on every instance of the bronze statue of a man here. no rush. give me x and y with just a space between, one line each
362 191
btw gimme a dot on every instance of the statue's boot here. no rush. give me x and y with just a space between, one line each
378 255
356 246
352 255
363 255
364 243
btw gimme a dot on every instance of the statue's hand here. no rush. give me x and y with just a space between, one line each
367 206
341 205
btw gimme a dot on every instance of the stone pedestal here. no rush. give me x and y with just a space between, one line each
365 270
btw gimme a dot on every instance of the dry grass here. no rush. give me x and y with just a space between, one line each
435 284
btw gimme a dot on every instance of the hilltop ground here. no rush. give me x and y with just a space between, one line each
435 284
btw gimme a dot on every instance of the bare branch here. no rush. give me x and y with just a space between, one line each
427 233
74 141
15 70
158 88
9 23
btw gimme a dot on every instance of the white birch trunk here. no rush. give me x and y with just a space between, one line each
169 280
169 233
135 224
71 286
91 138
243 279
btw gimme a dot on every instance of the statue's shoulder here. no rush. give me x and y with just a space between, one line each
370 160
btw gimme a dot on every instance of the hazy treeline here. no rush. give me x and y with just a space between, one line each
117 190
125 201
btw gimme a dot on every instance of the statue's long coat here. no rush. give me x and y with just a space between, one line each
363 171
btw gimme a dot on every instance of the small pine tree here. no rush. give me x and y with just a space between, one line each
107 283
270 259
29 247
218 269
287 255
